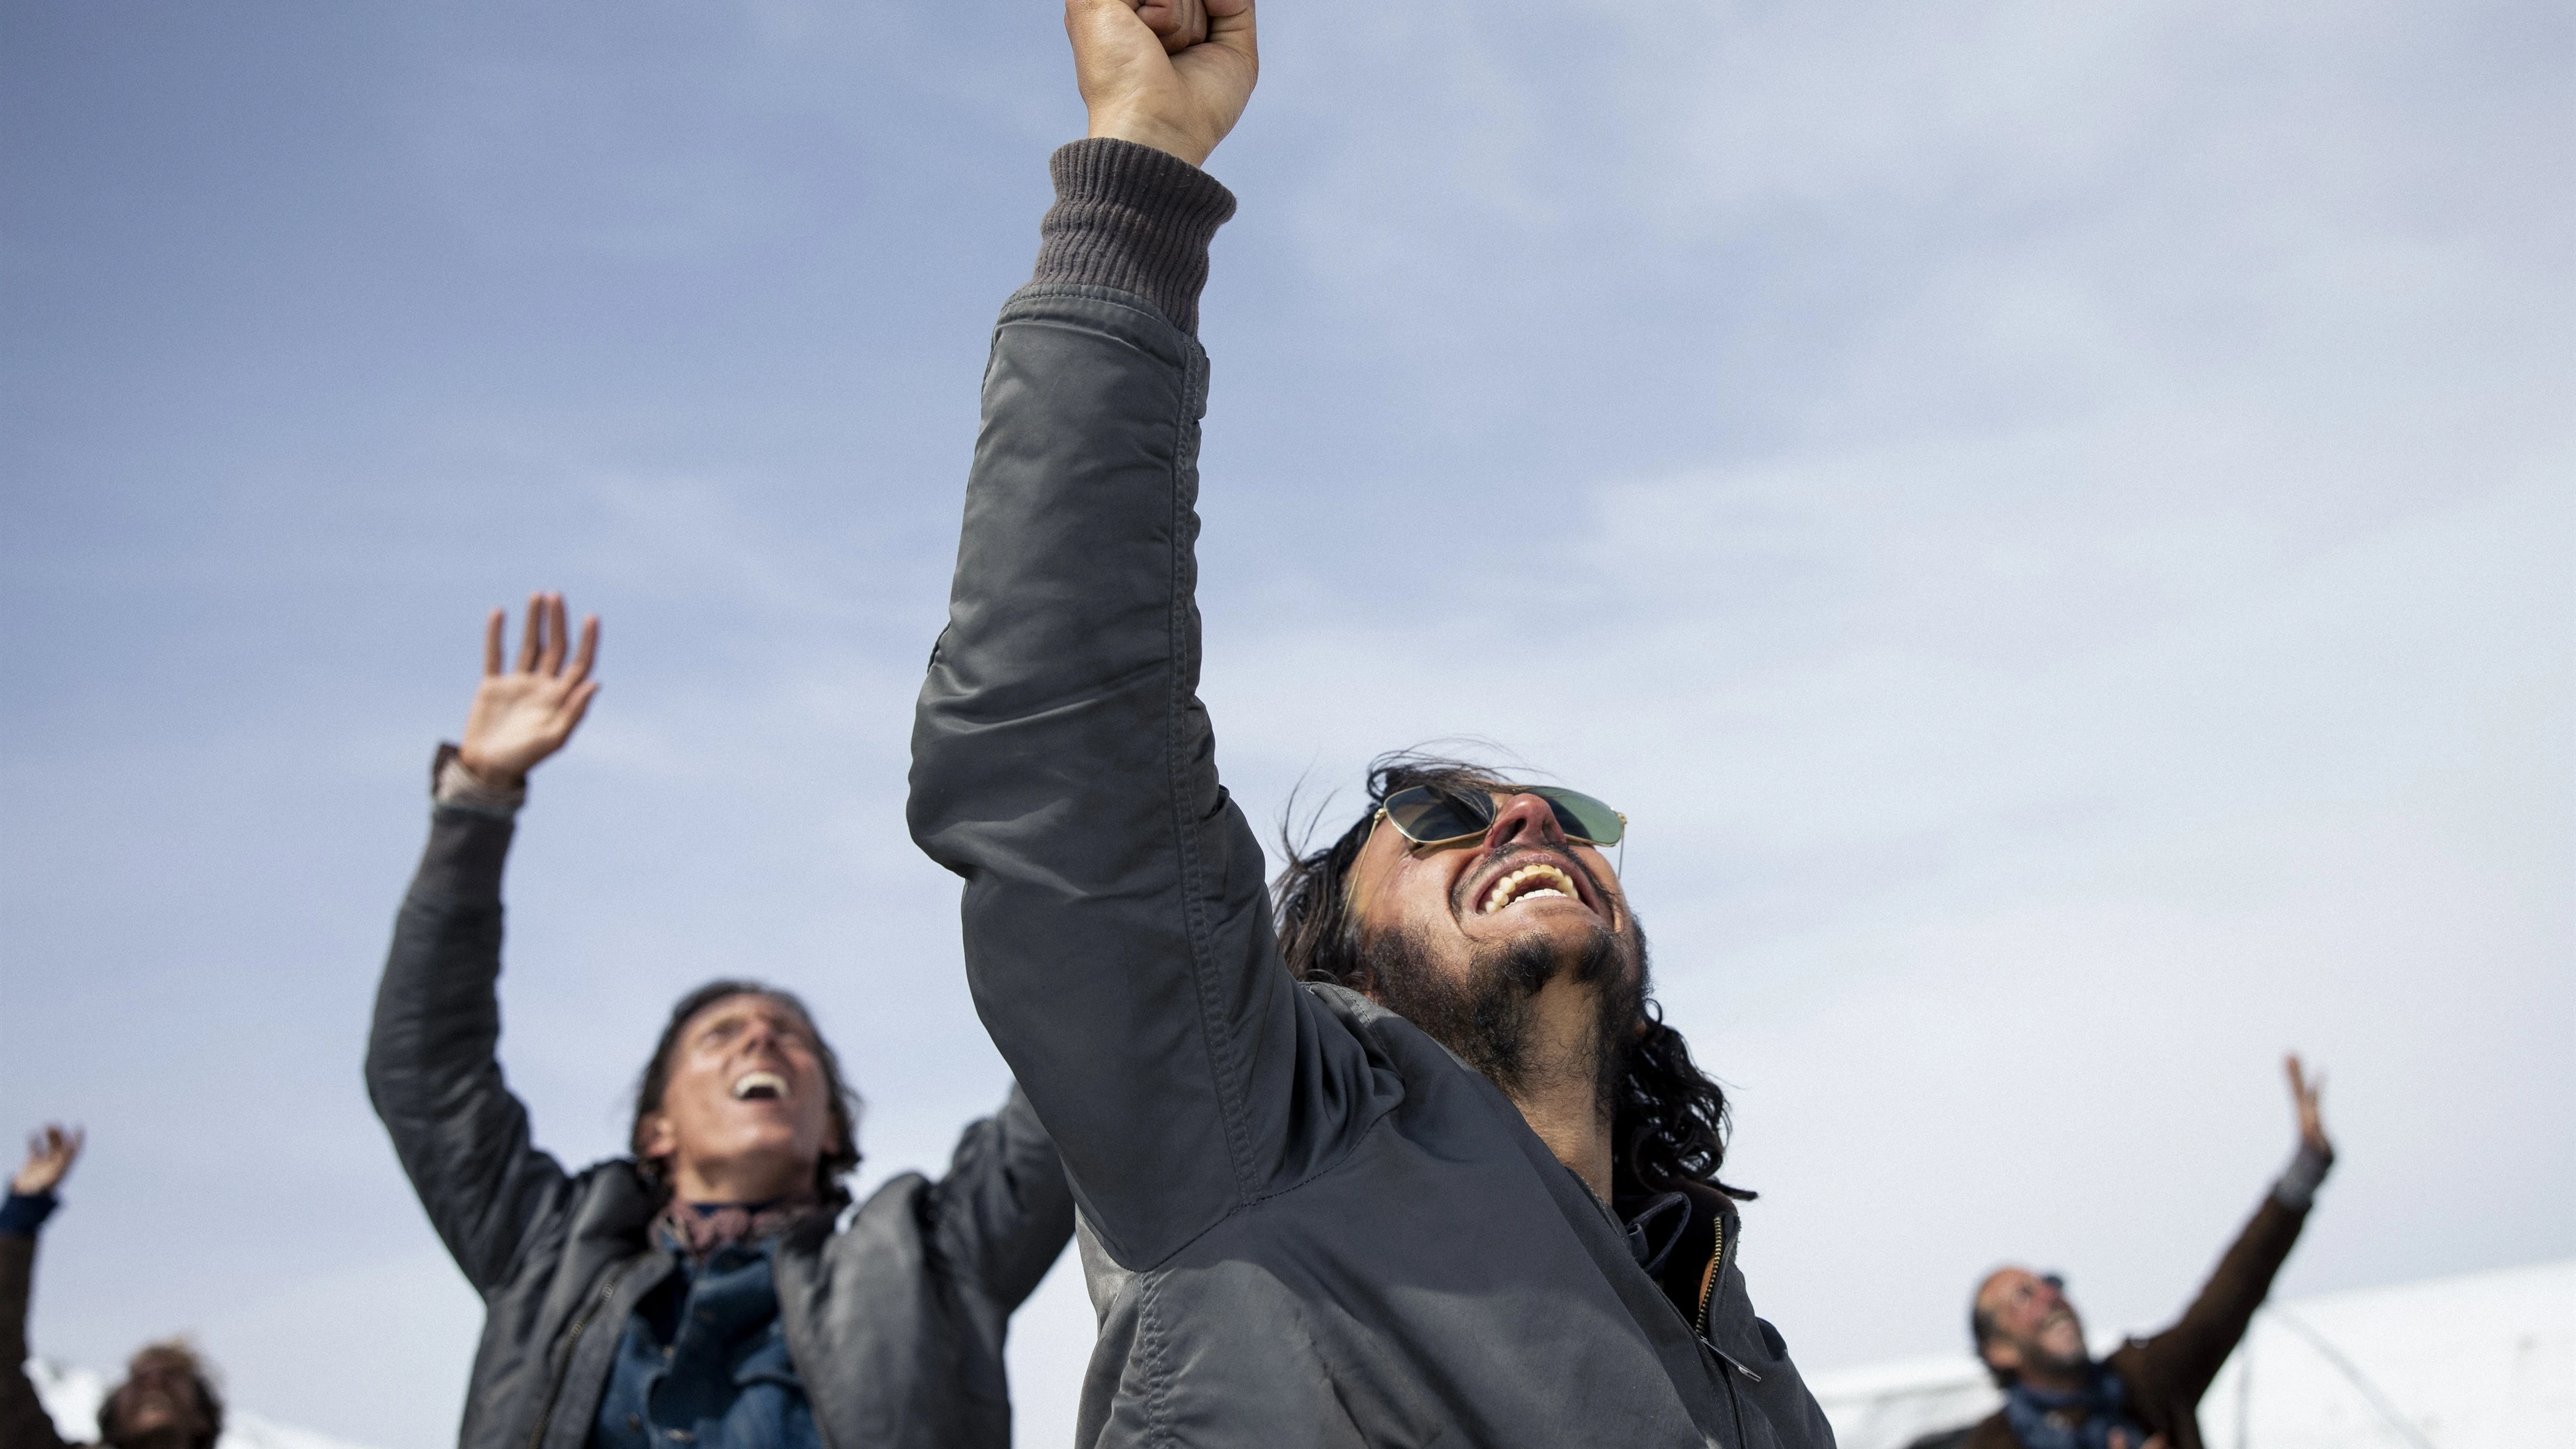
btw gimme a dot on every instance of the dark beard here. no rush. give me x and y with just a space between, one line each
2046 1362
184 1426
1487 1018
169 1436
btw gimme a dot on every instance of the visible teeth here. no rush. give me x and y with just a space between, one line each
1542 880
750 1082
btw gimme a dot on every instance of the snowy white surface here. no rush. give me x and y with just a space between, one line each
2477 1361
72 1396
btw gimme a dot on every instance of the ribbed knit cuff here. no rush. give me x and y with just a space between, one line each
1134 218
458 788
24 1212
2297 1189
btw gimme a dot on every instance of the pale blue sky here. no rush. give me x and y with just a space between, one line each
2053 521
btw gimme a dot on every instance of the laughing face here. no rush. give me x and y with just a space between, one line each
2033 1331
1463 939
163 1404
1521 879
746 1110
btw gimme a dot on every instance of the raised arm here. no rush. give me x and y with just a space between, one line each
24 1424
2191 1352
1004 1209
432 1067
1117 928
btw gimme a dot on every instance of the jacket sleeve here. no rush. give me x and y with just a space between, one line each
24 1424
1004 1209
1117 930
432 1069
2184 1358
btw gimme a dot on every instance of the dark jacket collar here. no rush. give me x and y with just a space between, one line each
1678 1237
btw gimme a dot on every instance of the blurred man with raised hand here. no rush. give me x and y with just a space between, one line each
703 1290
168 1399
1458 1185
2146 1395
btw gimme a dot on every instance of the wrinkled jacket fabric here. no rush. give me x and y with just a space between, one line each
1306 1223
894 1322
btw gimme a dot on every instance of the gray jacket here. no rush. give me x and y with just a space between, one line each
1308 1223
894 1321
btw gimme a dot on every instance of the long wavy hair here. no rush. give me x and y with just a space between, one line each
840 1138
1669 1120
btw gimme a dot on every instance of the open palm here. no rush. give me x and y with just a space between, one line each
524 714
50 1154
2304 1090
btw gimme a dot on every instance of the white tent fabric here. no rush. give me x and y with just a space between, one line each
2478 1361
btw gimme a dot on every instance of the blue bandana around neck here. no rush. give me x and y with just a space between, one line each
2083 1419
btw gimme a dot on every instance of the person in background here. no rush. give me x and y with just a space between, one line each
702 1291
2146 1395
168 1399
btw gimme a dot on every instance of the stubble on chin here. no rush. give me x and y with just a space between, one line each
172 1431
2037 1353
1489 1014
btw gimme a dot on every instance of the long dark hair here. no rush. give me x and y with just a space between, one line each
201 1379
840 1139
1670 1122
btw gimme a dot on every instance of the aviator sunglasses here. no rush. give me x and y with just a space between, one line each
1429 815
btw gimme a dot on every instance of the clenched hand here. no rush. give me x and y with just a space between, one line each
522 716
1170 74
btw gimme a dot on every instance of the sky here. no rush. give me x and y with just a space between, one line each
2054 523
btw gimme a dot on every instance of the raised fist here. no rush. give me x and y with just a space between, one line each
1170 74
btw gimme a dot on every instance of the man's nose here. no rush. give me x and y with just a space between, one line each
1524 820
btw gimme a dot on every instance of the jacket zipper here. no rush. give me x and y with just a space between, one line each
1708 1280
572 1341
1708 1297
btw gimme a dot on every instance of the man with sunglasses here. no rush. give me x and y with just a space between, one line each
2146 1395
1457 1183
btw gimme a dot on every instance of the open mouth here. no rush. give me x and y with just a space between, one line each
150 1411
1535 881
760 1087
